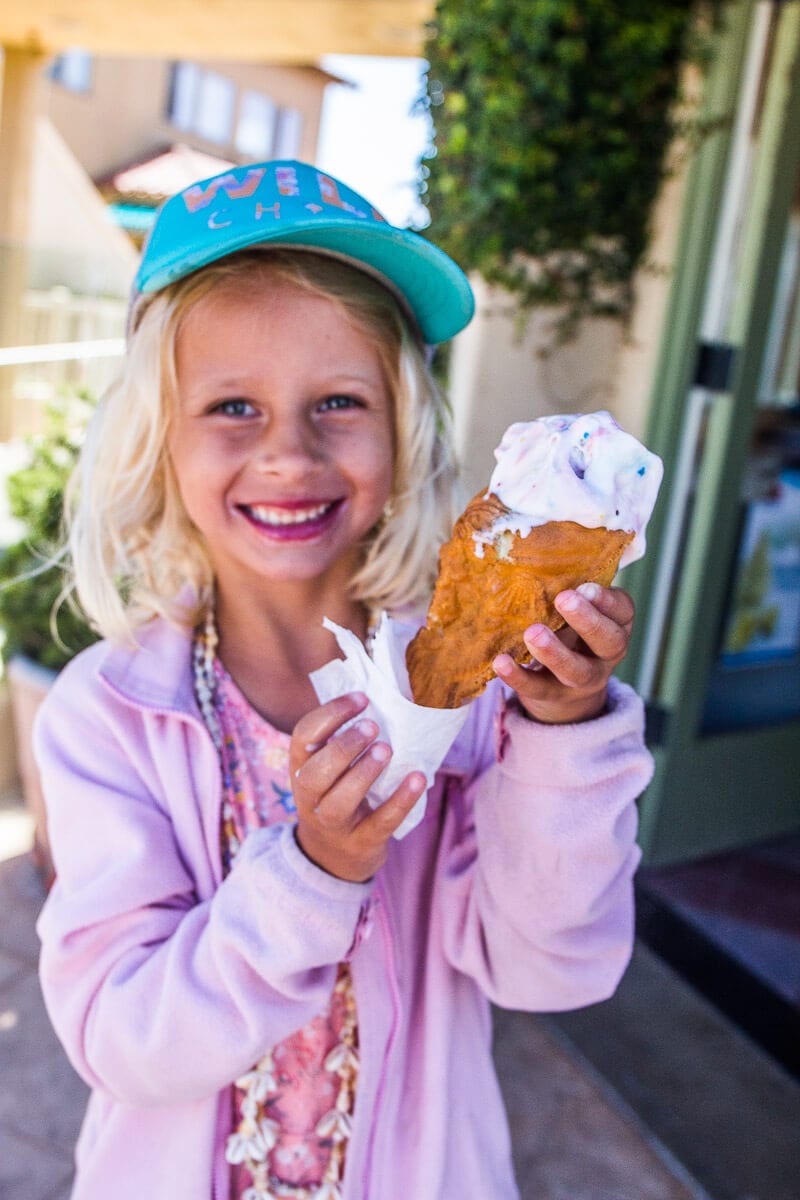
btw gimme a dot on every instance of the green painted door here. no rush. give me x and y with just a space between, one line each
717 652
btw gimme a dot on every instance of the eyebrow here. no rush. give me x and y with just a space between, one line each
245 382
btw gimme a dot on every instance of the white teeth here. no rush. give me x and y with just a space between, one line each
282 516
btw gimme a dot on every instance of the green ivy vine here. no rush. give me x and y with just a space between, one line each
552 119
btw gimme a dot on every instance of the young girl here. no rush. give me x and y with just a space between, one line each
268 994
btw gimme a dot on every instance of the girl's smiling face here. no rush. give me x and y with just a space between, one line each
282 438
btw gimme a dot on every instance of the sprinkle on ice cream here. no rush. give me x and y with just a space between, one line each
578 467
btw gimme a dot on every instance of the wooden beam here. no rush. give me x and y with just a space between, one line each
20 102
275 31
20 98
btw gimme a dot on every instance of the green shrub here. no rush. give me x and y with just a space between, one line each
31 619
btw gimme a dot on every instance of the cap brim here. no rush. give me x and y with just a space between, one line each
433 287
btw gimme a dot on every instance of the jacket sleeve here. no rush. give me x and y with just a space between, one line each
158 994
536 871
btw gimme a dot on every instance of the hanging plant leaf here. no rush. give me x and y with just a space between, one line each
552 119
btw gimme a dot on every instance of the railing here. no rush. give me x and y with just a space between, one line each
66 341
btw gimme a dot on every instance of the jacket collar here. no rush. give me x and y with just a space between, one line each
155 673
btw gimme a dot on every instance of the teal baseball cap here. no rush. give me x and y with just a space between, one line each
292 204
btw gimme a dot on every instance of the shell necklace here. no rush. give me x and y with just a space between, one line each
256 1134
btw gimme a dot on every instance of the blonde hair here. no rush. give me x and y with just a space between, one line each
132 546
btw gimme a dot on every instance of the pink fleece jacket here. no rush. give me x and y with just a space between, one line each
166 982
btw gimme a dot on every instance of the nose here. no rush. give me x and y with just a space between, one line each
288 445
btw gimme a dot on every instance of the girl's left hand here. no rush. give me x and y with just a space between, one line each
568 680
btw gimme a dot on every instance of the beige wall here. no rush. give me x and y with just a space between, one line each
118 119
498 375
136 92
633 384
72 239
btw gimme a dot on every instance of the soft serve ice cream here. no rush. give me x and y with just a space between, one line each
567 504
582 468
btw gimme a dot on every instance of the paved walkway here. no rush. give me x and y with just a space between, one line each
572 1140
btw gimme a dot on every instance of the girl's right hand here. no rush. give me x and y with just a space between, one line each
331 775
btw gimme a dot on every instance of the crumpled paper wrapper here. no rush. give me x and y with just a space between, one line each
420 737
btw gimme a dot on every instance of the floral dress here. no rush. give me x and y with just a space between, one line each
292 1110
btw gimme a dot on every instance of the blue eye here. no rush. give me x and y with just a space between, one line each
234 408
334 403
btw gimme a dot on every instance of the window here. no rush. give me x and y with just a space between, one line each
288 133
204 102
255 129
201 102
73 70
184 86
215 105
780 379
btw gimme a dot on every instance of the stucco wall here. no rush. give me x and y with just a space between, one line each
502 371
73 243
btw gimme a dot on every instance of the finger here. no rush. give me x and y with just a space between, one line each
557 701
338 807
534 683
569 666
602 635
323 767
615 603
382 823
313 730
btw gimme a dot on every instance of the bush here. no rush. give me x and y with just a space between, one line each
31 585
552 120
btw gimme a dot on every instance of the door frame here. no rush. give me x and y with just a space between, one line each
713 792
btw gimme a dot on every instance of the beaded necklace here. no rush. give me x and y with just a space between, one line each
256 1133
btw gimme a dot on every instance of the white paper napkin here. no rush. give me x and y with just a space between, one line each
420 737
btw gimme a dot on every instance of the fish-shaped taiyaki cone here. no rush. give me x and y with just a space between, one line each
491 588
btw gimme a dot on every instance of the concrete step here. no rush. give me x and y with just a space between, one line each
707 1095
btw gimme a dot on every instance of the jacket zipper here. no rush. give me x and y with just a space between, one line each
394 991
220 1188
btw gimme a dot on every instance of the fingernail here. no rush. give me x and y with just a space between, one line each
589 590
502 666
568 602
366 727
417 782
541 637
380 752
313 747
358 699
